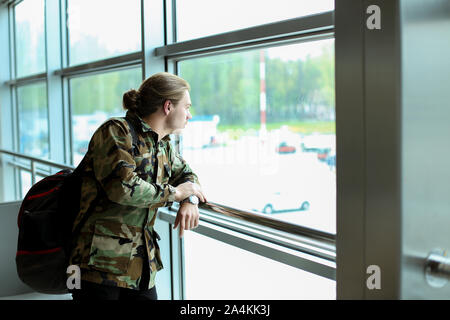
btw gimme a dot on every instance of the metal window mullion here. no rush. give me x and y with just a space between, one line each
6 101
292 28
16 144
28 79
257 44
176 244
12 41
123 61
171 22
54 89
64 82
153 36
10 2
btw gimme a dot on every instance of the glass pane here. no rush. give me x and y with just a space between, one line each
200 18
33 120
29 37
94 99
26 181
100 29
254 277
262 136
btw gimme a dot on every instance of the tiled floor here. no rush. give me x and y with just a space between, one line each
38 296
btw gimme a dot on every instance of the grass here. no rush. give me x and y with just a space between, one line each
302 127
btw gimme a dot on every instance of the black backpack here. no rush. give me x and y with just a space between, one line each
45 223
46 228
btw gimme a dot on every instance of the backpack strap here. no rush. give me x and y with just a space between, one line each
134 136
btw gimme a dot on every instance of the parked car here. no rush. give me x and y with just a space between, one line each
81 147
322 154
318 142
283 147
281 202
331 159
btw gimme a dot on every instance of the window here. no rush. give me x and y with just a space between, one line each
29 37
228 272
100 29
262 136
94 99
200 18
33 120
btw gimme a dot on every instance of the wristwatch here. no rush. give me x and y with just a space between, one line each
191 199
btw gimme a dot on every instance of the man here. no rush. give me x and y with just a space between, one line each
125 181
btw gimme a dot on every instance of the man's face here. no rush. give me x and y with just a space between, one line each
179 114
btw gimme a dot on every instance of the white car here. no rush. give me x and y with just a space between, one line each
318 142
281 202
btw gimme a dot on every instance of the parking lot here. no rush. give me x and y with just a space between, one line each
246 175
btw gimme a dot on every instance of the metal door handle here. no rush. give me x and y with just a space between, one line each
437 268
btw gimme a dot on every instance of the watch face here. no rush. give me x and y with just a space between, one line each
193 199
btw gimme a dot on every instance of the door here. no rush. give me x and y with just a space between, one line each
425 147
393 149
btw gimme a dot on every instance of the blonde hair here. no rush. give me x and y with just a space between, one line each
153 92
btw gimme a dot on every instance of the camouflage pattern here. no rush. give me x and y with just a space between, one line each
132 184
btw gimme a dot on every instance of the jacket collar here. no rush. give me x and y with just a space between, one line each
142 125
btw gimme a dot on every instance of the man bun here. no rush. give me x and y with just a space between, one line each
131 100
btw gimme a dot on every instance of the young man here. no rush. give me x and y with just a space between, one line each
123 186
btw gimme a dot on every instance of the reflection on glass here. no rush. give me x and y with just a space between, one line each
29 37
200 18
228 272
33 120
26 182
100 29
94 99
262 136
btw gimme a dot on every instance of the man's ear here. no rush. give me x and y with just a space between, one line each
167 107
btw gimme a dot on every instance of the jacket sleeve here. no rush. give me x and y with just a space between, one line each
113 165
181 171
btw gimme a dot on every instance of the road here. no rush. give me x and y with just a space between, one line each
244 176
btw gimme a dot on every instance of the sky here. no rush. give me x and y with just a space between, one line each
116 23
198 18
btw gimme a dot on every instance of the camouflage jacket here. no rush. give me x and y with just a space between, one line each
125 187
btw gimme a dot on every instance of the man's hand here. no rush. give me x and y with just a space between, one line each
187 189
187 217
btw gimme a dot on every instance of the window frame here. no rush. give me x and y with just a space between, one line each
223 223
295 245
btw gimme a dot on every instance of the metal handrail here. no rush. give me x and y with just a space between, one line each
264 220
35 160
223 210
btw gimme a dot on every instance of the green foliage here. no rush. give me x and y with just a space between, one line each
102 92
225 85
32 97
229 85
